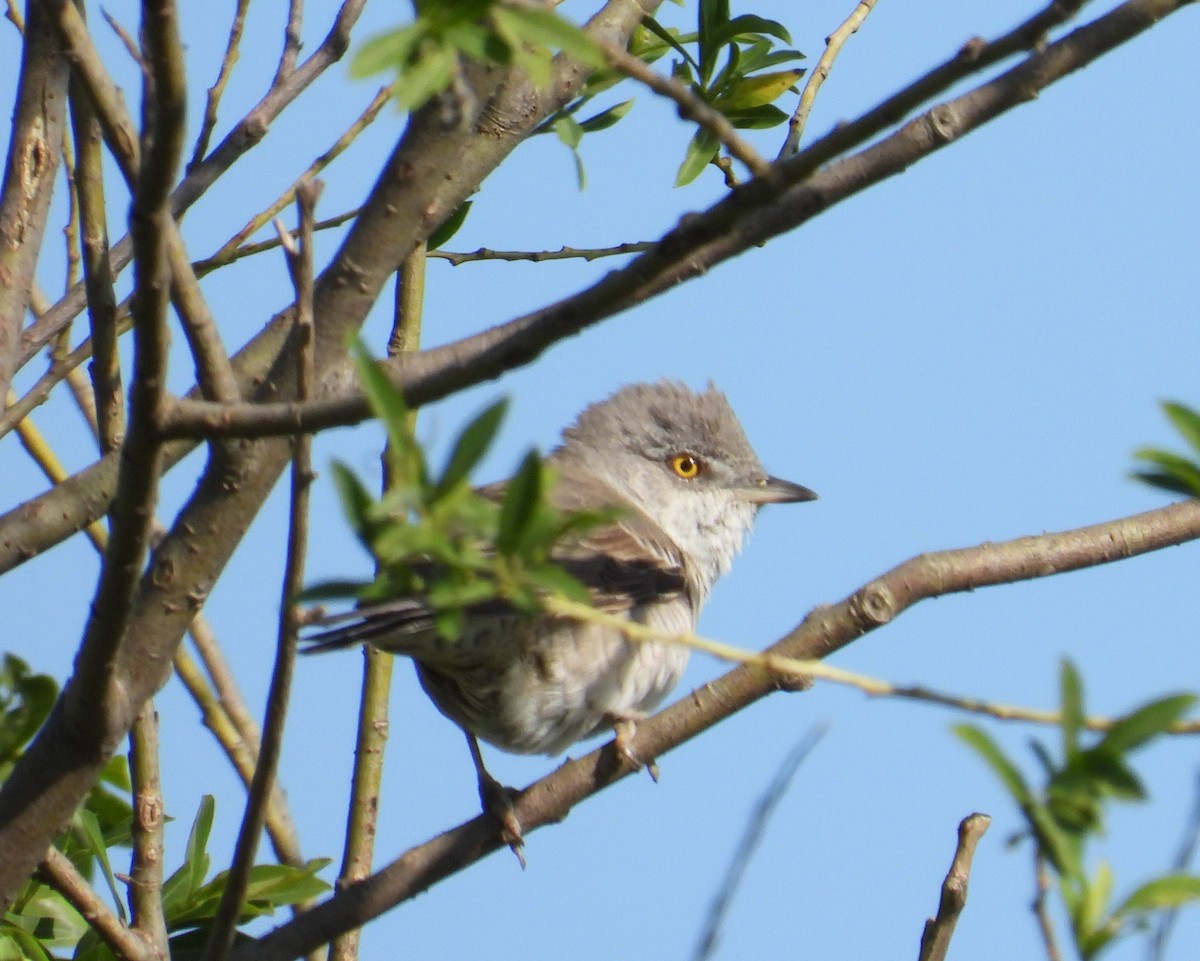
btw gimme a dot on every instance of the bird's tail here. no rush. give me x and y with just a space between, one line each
393 620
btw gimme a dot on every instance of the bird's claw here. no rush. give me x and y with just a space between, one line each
624 731
497 800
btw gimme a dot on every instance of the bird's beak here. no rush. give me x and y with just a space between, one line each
775 490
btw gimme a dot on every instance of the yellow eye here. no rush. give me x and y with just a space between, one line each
686 466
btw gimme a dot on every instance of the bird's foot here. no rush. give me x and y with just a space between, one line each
624 730
497 800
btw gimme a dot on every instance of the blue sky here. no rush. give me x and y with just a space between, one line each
968 352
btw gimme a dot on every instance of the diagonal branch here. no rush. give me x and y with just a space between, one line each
824 631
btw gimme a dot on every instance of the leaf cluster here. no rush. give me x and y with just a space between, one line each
438 538
425 54
41 922
1067 811
730 71
1169 471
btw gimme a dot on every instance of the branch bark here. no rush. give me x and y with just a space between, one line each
33 156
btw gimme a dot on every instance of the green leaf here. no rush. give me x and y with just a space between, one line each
1178 474
428 75
1071 693
387 403
387 51
18 944
1169 891
521 498
1054 844
181 887
26 700
1148 722
757 118
1167 482
670 38
986 748
763 88
1110 774
748 25
568 131
355 498
701 150
94 839
713 15
1094 903
474 441
549 578
450 226
1186 421
606 118
546 28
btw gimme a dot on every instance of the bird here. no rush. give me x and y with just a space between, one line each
683 484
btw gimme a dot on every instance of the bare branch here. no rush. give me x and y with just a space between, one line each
213 98
833 46
935 939
146 874
101 299
231 249
825 630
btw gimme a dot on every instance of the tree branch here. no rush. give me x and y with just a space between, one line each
935 939
57 871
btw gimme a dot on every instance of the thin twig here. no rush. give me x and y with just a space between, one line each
229 909
101 300
146 871
291 43
213 98
1041 910
752 836
57 871
538 256
833 46
1157 949
935 939
233 246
